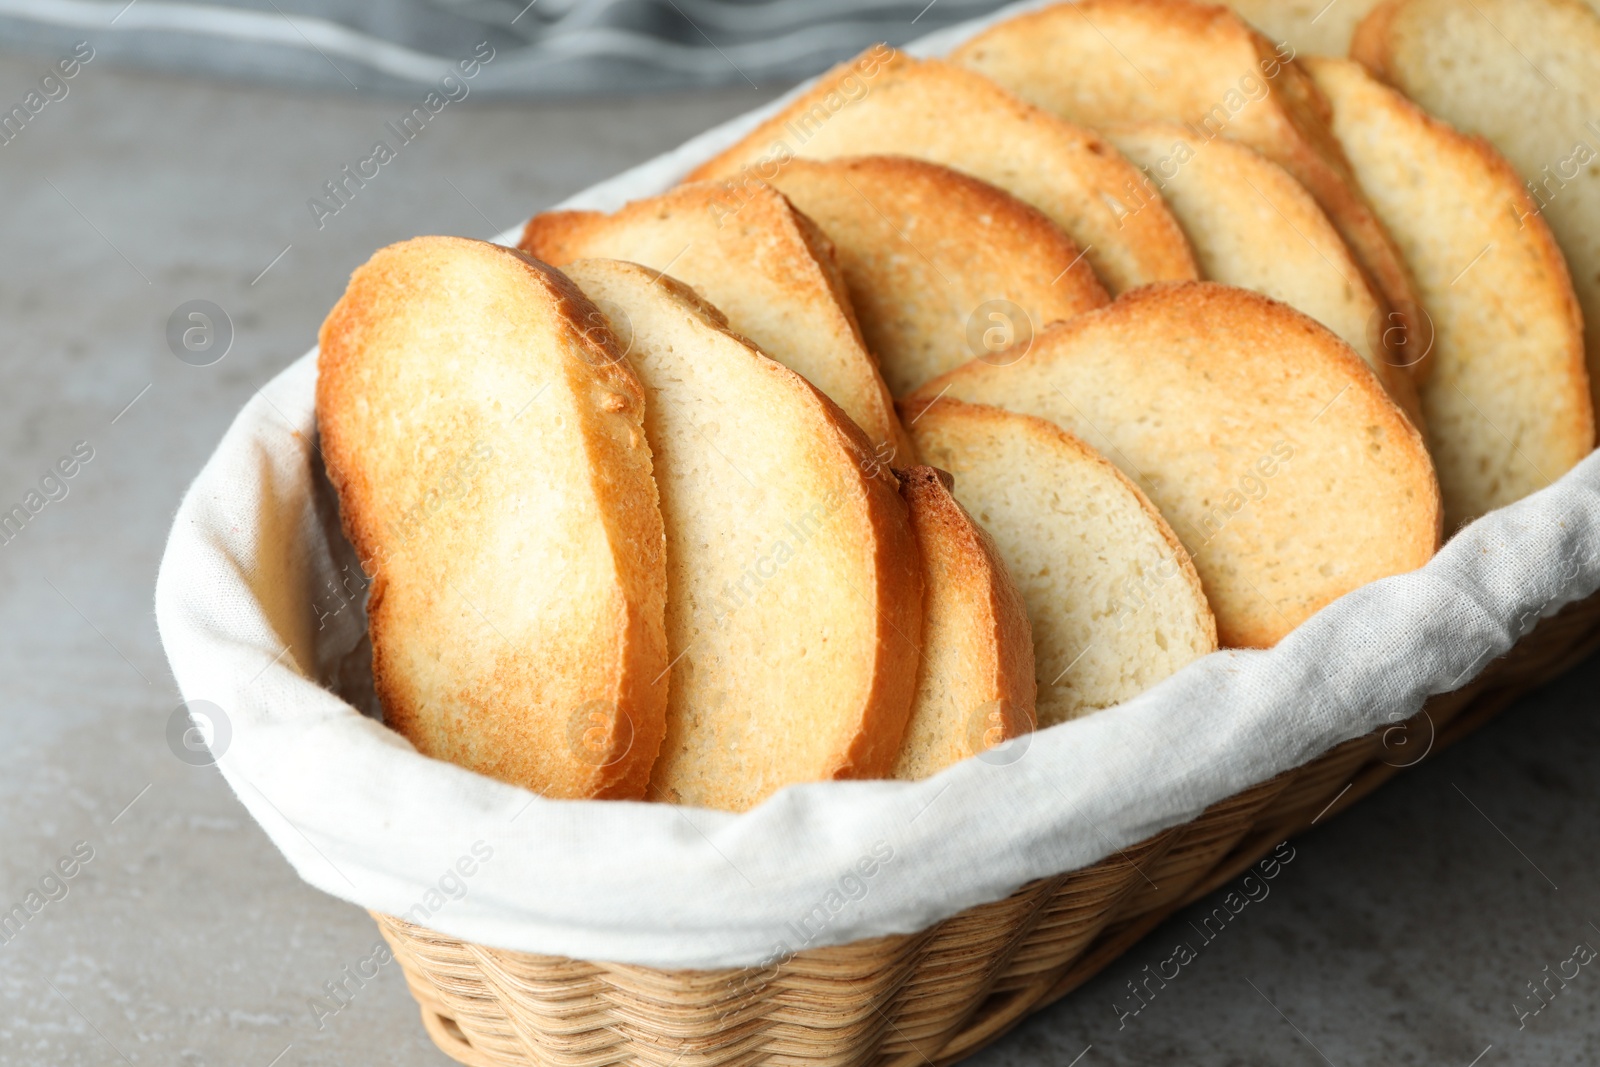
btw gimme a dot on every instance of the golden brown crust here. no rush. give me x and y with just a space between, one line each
922 247
944 114
884 583
1192 42
827 257
1247 369
1113 601
763 264
1322 168
1483 200
1482 67
557 237
901 449
1369 46
1020 228
1522 205
1291 252
899 605
926 399
1313 27
397 429
897 599
989 632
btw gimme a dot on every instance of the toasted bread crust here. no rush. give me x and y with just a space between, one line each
1523 288
1370 43
1486 68
558 237
974 622
493 711
1248 369
916 405
1081 593
1252 225
923 247
1202 57
885 575
943 114
1190 577
721 247
1312 27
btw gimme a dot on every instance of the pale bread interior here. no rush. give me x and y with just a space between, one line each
725 569
1310 27
759 262
1268 445
928 253
1525 75
1507 407
487 444
1114 603
1103 62
939 112
975 688
793 590
1253 226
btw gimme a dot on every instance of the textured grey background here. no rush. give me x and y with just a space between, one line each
1401 933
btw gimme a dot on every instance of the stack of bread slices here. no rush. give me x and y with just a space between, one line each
965 397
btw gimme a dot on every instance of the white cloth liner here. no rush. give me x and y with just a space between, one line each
253 566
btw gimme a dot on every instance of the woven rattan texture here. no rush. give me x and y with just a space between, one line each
936 996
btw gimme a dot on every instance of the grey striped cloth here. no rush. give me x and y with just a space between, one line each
543 48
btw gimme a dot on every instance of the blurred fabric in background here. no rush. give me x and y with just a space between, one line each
543 48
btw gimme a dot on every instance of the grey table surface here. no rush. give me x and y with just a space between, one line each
1405 931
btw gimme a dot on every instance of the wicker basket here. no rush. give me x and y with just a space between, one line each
939 995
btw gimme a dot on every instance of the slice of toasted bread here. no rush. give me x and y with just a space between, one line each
1113 600
487 444
764 265
975 688
884 102
1508 406
1253 226
1101 62
1267 443
1525 75
794 593
1310 27
927 252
